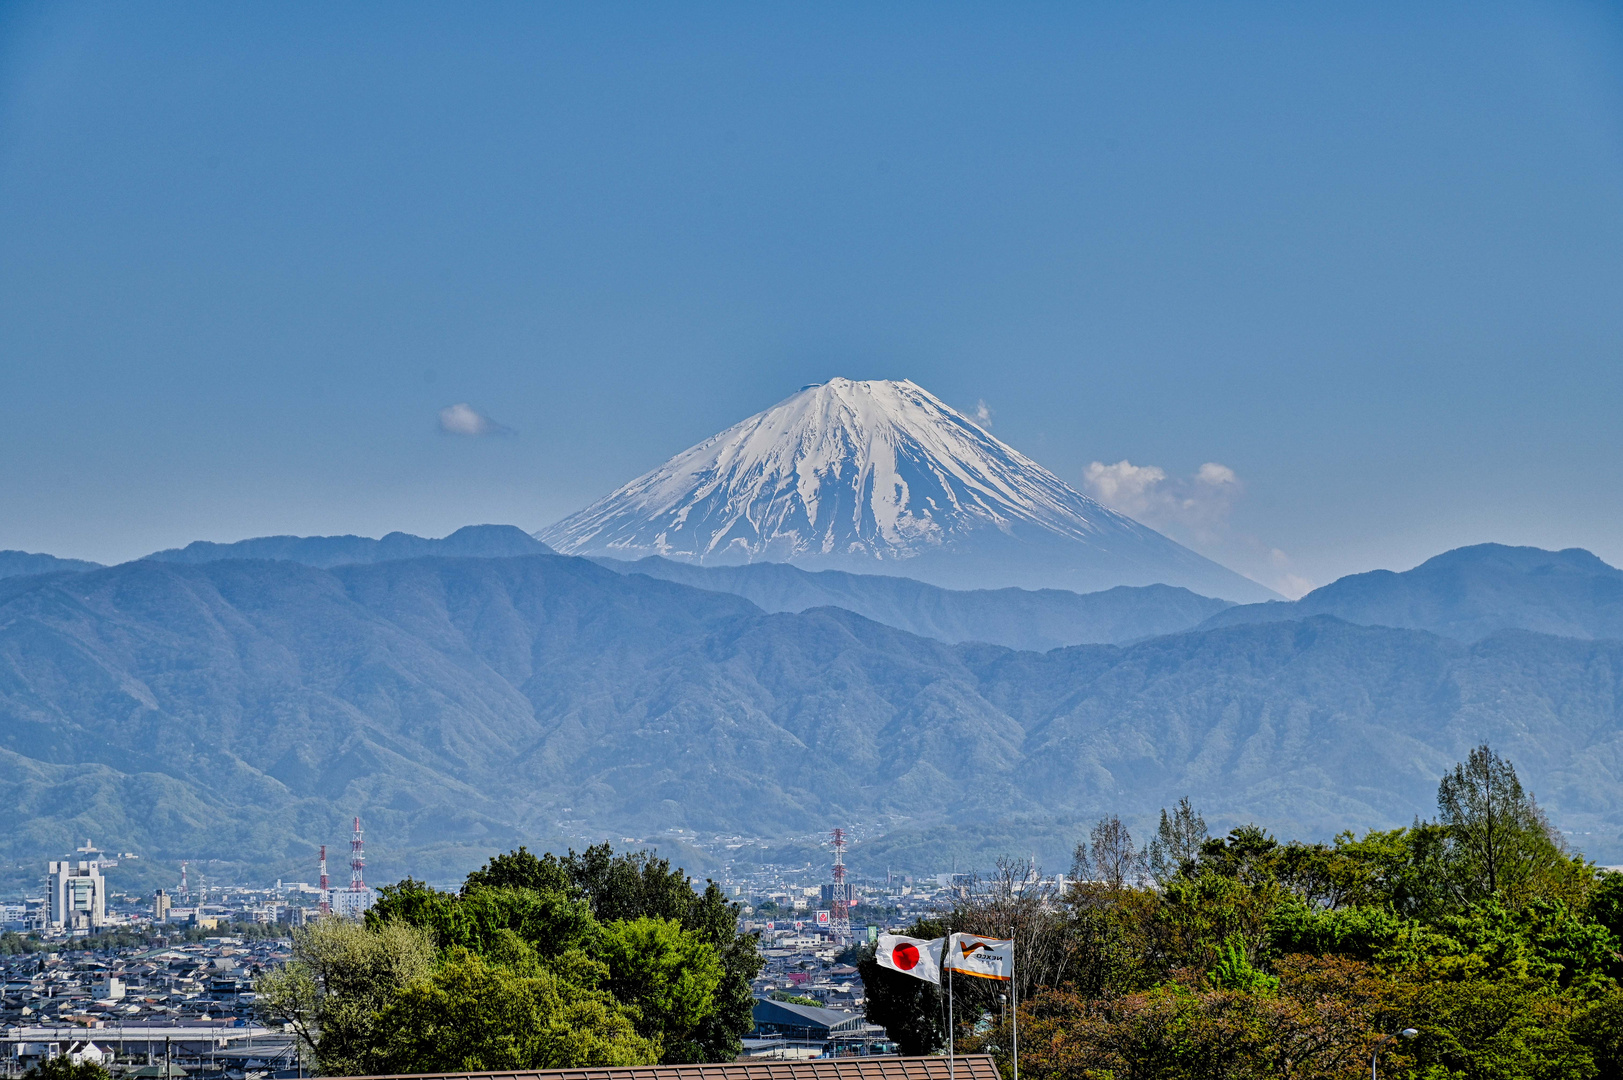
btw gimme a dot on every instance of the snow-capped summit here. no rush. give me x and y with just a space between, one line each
882 477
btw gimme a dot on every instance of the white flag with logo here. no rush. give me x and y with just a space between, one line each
982 957
911 956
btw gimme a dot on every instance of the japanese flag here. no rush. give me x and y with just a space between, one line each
911 956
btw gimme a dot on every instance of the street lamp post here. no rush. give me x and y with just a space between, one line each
1406 1033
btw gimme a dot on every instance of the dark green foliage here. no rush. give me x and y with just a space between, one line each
14 944
628 927
1600 1028
520 870
1361 933
61 1068
1606 903
550 921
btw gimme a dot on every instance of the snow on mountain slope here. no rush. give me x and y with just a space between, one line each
882 477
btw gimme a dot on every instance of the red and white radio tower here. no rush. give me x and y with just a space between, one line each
325 906
839 916
357 861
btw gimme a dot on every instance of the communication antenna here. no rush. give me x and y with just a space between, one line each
839 916
185 893
324 906
357 861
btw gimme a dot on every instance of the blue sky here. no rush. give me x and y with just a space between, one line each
1369 258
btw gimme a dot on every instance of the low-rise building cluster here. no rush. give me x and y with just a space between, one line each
185 1007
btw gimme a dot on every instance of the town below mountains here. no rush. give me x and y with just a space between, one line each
238 703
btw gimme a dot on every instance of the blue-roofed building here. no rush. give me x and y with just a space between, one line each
810 1027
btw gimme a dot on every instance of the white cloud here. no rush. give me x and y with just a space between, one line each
983 415
1132 489
1194 510
464 419
1200 504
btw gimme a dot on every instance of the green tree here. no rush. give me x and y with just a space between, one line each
1499 842
1599 1028
341 976
560 905
549 920
1605 904
1500 1029
474 1015
669 976
521 870
638 885
64 1068
1233 971
1177 843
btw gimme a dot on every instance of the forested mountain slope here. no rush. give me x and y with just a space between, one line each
243 709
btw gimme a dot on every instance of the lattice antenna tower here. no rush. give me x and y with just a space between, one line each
325 905
357 861
839 915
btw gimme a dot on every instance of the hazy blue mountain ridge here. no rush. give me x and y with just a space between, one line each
26 564
470 541
244 709
1019 618
1469 593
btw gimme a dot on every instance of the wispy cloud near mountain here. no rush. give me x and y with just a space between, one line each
1195 510
464 419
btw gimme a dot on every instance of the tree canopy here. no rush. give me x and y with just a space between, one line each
589 959
1243 956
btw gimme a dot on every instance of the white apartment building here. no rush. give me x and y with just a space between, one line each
78 895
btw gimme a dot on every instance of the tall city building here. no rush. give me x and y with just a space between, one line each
160 906
77 894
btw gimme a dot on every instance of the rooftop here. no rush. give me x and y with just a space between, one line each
967 1066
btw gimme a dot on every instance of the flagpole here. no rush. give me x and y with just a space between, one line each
1014 997
950 1074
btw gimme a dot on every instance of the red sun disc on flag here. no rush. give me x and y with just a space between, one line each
905 957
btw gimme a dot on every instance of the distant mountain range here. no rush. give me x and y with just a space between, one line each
1019 618
24 564
471 541
241 709
883 478
1468 594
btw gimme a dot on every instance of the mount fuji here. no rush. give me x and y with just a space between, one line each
883 477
